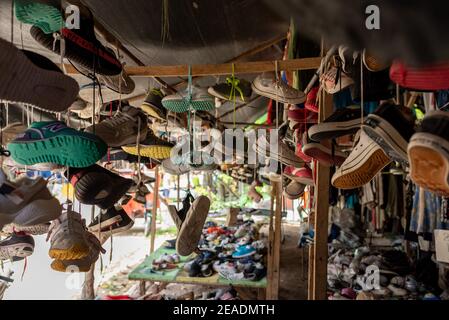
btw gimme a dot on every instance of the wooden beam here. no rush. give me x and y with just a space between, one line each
321 215
218 69
154 209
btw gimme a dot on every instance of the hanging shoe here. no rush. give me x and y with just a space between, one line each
35 230
78 105
294 190
253 193
96 185
373 63
335 80
54 142
11 131
123 128
26 202
152 105
265 85
48 18
312 100
169 167
192 227
68 237
362 164
18 245
324 153
239 88
32 79
151 147
201 100
302 175
428 78
83 264
114 220
82 47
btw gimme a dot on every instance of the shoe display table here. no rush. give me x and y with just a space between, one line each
145 272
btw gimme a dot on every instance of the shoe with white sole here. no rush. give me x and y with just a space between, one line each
266 86
428 153
122 129
391 127
68 237
179 102
335 80
342 122
35 230
323 154
18 245
114 220
26 202
362 165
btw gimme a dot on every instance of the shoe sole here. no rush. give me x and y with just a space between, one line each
323 155
192 227
77 251
65 150
364 173
275 97
388 138
46 17
36 230
23 82
19 250
108 231
218 95
152 112
429 162
60 266
155 152
38 212
332 130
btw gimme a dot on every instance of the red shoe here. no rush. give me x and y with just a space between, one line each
301 115
301 175
301 154
323 154
429 78
312 100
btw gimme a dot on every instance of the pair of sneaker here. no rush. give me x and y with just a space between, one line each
73 248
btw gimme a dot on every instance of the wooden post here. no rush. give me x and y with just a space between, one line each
275 242
154 209
320 248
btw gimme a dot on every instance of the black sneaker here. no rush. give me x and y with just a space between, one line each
342 122
223 91
95 185
113 220
81 47
391 127
153 105
16 247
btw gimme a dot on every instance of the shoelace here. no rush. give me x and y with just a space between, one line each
234 83
119 119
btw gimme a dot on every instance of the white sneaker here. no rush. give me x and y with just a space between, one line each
26 202
265 85
122 129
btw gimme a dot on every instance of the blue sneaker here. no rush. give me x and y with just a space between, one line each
244 251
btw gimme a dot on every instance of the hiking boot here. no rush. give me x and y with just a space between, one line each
18 245
190 233
31 79
153 105
54 142
122 128
152 147
96 185
179 102
68 237
342 122
391 127
265 85
429 153
114 220
11 131
238 89
362 164
83 264
81 47
26 202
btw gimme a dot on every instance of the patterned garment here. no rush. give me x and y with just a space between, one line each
426 212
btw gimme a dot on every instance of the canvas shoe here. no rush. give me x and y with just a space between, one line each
78 105
265 85
151 147
391 127
26 202
240 89
362 164
283 153
54 142
335 80
324 153
294 190
190 233
114 220
428 153
68 237
96 185
103 94
31 79
311 103
122 128
152 105
302 175
428 78
342 122
373 63
81 47
18 245
83 264
179 102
